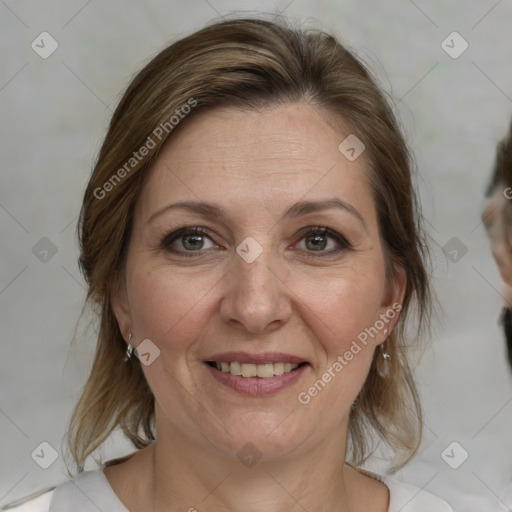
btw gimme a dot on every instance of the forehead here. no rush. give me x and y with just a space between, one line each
268 157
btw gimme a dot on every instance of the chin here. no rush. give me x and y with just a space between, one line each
270 437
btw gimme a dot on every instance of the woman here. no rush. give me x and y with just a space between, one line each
250 228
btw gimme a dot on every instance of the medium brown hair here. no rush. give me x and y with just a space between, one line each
248 63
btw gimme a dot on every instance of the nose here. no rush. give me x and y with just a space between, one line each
256 299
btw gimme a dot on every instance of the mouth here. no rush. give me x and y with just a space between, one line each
256 374
250 370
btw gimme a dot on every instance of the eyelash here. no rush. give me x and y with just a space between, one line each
170 237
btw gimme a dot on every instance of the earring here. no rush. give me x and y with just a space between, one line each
383 369
129 350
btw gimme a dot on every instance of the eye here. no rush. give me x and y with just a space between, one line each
187 240
323 241
191 241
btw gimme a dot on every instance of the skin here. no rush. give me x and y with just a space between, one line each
254 165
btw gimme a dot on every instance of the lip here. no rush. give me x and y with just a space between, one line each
256 386
261 358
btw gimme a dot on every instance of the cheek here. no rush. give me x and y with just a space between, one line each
166 307
340 305
341 314
353 316
170 310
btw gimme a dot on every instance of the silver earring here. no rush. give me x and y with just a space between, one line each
129 349
386 333
383 368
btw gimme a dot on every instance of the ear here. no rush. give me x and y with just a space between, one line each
121 307
391 305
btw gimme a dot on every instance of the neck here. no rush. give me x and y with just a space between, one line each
189 477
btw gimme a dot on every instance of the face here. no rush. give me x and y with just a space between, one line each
274 259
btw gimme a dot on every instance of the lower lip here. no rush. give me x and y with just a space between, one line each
257 386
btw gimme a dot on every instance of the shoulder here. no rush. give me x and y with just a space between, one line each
409 498
38 502
88 491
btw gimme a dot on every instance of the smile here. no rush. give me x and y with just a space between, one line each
247 370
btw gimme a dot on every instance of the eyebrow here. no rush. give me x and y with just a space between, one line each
297 210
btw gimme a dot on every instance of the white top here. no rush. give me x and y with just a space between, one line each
90 491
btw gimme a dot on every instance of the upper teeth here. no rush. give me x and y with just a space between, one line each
256 370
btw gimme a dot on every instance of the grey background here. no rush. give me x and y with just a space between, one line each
54 115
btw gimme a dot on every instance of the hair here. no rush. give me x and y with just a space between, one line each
247 63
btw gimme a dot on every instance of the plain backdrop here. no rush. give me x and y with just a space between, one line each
54 113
